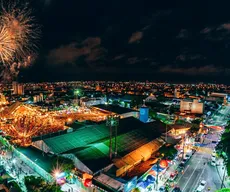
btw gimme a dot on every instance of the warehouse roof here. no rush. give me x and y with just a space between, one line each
114 109
43 160
79 138
90 144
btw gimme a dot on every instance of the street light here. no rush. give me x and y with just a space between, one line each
56 174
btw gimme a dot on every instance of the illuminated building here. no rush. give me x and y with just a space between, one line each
18 89
38 98
194 106
176 93
2 99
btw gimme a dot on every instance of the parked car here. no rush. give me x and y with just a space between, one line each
173 176
213 162
188 156
181 166
202 185
163 189
184 161
213 158
176 189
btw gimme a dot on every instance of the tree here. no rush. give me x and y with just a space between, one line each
33 183
65 164
223 190
194 129
15 186
136 190
37 184
52 188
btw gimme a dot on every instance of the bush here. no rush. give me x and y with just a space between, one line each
168 151
15 186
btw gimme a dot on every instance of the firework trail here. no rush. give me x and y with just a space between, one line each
18 36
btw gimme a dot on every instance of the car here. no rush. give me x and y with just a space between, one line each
176 189
213 162
188 156
163 189
173 176
193 151
202 185
215 142
184 161
213 156
181 166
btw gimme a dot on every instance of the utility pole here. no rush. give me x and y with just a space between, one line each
222 183
110 141
158 161
183 145
112 122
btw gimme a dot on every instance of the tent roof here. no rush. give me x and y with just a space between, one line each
77 139
90 144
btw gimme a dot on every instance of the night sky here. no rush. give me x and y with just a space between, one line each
177 41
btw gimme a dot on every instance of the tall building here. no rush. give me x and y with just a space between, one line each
15 89
18 89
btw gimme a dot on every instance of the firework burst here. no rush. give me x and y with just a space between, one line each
18 35
7 46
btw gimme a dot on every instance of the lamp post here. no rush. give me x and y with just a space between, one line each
183 145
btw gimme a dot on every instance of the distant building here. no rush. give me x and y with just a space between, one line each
176 93
115 109
92 101
151 98
218 97
194 106
38 98
18 89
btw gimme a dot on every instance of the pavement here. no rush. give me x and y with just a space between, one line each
221 170
16 168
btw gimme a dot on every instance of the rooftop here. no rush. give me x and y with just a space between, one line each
82 137
42 160
115 109
90 143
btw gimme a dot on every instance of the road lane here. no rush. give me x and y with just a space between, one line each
199 168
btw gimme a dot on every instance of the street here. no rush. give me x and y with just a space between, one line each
199 168
219 118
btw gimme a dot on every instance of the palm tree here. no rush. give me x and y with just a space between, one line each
136 190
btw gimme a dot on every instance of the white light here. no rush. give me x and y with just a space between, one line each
14 161
56 174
